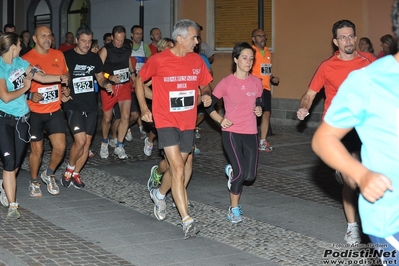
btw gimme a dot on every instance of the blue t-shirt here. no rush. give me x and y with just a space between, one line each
369 101
13 75
208 65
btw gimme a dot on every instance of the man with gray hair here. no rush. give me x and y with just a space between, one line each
176 75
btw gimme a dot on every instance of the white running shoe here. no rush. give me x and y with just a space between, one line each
159 205
352 236
189 228
3 196
143 134
34 189
113 142
120 152
148 147
104 150
49 180
129 136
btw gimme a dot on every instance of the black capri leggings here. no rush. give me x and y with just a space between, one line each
242 152
14 139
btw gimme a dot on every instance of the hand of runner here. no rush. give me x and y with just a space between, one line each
115 78
64 98
258 111
108 88
206 100
226 123
27 80
64 79
66 91
373 186
146 116
302 113
36 97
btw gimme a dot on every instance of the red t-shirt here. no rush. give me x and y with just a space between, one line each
332 72
175 82
153 48
51 63
66 47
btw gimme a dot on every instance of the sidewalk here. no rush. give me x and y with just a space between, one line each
292 212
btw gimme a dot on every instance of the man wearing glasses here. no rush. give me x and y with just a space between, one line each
330 74
262 68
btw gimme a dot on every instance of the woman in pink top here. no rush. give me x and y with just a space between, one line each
241 94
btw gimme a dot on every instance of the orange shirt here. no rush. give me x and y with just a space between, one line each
262 67
333 71
51 63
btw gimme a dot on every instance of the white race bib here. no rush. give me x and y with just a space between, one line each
50 94
181 100
83 84
124 74
266 69
17 79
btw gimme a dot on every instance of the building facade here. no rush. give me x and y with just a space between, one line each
299 32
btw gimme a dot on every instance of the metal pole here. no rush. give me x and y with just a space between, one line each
141 16
10 11
260 14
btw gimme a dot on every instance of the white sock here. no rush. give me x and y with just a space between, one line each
351 225
71 167
187 220
262 141
141 128
159 195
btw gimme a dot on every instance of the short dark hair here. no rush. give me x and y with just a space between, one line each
23 32
342 24
83 30
106 35
8 25
66 34
118 29
153 30
135 27
237 51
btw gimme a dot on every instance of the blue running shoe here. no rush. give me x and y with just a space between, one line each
234 215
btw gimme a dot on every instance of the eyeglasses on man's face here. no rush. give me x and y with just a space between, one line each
346 38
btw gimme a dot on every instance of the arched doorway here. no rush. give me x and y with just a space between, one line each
73 14
39 13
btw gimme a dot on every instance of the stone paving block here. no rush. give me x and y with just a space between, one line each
289 178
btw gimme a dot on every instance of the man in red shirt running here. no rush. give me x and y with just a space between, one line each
176 75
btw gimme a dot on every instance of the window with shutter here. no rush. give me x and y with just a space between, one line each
236 19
